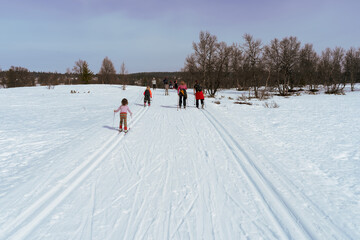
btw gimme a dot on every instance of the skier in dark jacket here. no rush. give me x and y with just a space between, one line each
147 96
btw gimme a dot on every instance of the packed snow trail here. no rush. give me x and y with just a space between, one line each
183 174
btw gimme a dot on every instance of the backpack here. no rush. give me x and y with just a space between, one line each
147 93
198 88
182 92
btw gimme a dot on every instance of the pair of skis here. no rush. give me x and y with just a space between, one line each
127 131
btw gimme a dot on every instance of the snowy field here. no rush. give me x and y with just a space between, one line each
227 172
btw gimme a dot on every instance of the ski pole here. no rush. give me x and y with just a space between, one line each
177 104
113 119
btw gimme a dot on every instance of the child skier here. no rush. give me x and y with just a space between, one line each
123 114
147 96
182 94
199 95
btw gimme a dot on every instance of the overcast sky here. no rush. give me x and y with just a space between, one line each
154 35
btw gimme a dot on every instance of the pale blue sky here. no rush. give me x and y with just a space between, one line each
156 35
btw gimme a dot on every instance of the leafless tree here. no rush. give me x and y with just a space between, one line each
68 76
209 63
221 67
330 69
78 68
352 66
289 50
123 73
204 56
236 64
338 67
273 63
308 61
252 60
107 73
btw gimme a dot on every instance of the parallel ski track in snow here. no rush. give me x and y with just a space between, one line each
320 223
320 226
289 224
29 219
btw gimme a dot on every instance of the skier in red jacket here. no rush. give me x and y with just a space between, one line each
199 95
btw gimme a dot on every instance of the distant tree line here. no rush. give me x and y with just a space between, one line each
81 74
282 65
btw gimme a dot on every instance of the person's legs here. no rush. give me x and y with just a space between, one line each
125 121
122 120
197 103
180 101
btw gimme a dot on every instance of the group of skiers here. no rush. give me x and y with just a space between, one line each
181 91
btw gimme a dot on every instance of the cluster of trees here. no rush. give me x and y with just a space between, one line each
80 74
282 64
16 77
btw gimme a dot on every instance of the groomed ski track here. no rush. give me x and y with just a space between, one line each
179 174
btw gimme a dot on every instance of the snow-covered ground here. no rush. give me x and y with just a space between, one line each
227 172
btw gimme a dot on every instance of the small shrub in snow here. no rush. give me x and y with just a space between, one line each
264 94
243 97
272 104
216 102
246 103
335 91
230 98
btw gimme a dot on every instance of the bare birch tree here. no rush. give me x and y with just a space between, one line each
308 61
252 60
236 65
209 62
107 73
289 50
123 73
352 66
330 70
